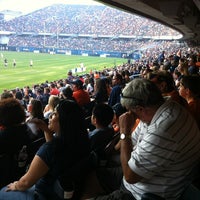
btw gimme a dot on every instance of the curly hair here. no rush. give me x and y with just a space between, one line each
11 112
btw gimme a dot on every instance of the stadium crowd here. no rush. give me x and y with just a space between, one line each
98 44
117 132
95 24
96 20
163 69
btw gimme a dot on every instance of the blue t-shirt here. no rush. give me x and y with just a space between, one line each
115 95
99 139
52 154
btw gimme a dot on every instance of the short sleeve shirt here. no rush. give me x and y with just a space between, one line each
54 161
164 152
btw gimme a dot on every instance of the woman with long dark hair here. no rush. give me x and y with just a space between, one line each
100 91
66 144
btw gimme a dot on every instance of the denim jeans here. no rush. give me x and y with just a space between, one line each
18 195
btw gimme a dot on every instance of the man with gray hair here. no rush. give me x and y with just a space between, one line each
160 155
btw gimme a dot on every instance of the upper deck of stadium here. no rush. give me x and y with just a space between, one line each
181 15
86 21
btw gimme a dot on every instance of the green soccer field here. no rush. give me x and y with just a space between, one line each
45 67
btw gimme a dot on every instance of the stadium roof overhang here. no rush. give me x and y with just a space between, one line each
182 15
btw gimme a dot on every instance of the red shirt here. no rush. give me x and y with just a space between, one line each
54 91
82 97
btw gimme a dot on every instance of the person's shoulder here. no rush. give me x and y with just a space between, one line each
169 102
47 152
92 133
47 147
47 114
172 110
117 88
86 93
76 92
108 131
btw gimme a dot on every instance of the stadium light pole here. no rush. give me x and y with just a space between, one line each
57 37
44 39
55 19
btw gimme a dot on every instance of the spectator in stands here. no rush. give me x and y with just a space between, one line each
46 95
52 103
192 68
90 85
160 148
176 75
100 91
126 76
19 97
14 91
35 110
189 89
28 92
165 82
81 96
102 116
60 86
39 95
161 58
63 149
70 76
111 175
6 95
182 68
67 83
54 90
108 81
67 93
117 85
14 134
111 165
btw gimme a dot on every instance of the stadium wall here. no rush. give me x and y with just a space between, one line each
68 52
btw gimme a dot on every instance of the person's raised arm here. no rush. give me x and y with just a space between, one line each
41 124
126 123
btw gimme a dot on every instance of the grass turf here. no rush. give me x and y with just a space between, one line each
45 67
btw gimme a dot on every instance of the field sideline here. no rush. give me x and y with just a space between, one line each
45 67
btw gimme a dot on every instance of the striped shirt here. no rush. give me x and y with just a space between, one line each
165 152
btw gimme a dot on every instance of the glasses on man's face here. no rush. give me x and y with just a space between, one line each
138 102
129 97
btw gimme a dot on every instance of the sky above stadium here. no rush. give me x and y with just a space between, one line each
26 6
